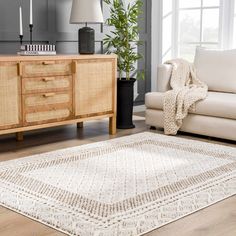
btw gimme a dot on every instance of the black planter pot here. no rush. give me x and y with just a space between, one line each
125 96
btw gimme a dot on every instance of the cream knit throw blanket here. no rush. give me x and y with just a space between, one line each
187 89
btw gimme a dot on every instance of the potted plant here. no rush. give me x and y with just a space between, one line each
123 41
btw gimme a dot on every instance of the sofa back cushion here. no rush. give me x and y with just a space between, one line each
217 69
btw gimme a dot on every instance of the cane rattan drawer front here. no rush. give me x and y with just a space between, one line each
46 68
46 84
47 107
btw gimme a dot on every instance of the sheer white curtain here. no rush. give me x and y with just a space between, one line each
234 28
190 23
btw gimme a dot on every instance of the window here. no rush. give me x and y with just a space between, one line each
190 23
167 36
199 24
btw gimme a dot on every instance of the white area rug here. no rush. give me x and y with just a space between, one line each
126 186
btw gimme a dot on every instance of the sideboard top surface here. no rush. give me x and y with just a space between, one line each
8 58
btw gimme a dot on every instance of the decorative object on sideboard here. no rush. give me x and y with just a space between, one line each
84 12
31 22
33 49
37 50
123 41
21 25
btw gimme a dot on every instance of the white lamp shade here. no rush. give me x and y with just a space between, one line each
86 11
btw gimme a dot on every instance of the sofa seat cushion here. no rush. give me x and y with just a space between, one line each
216 104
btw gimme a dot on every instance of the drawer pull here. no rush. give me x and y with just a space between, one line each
48 79
19 68
47 95
74 67
49 63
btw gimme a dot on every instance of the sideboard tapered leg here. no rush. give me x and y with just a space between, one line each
80 125
19 136
112 125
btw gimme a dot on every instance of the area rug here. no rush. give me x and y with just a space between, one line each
122 187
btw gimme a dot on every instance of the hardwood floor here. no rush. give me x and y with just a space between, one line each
217 220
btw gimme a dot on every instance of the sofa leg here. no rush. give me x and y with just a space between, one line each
153 128
112 125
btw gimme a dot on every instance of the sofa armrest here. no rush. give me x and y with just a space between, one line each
163 77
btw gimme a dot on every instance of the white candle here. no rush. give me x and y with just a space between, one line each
31 12
21 24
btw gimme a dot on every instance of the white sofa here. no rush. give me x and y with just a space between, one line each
216 115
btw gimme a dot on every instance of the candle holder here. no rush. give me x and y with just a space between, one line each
31 33
21 39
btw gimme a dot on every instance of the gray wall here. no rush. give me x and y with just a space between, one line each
51 24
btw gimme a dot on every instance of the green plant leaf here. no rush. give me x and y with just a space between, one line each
123 40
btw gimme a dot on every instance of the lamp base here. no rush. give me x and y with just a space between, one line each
86 40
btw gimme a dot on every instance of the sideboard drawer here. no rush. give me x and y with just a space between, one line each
49 116
47 107
46 68
45 84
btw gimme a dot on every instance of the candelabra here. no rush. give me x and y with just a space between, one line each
31 33
21 39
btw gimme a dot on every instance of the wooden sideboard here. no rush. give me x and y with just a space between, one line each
45 91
